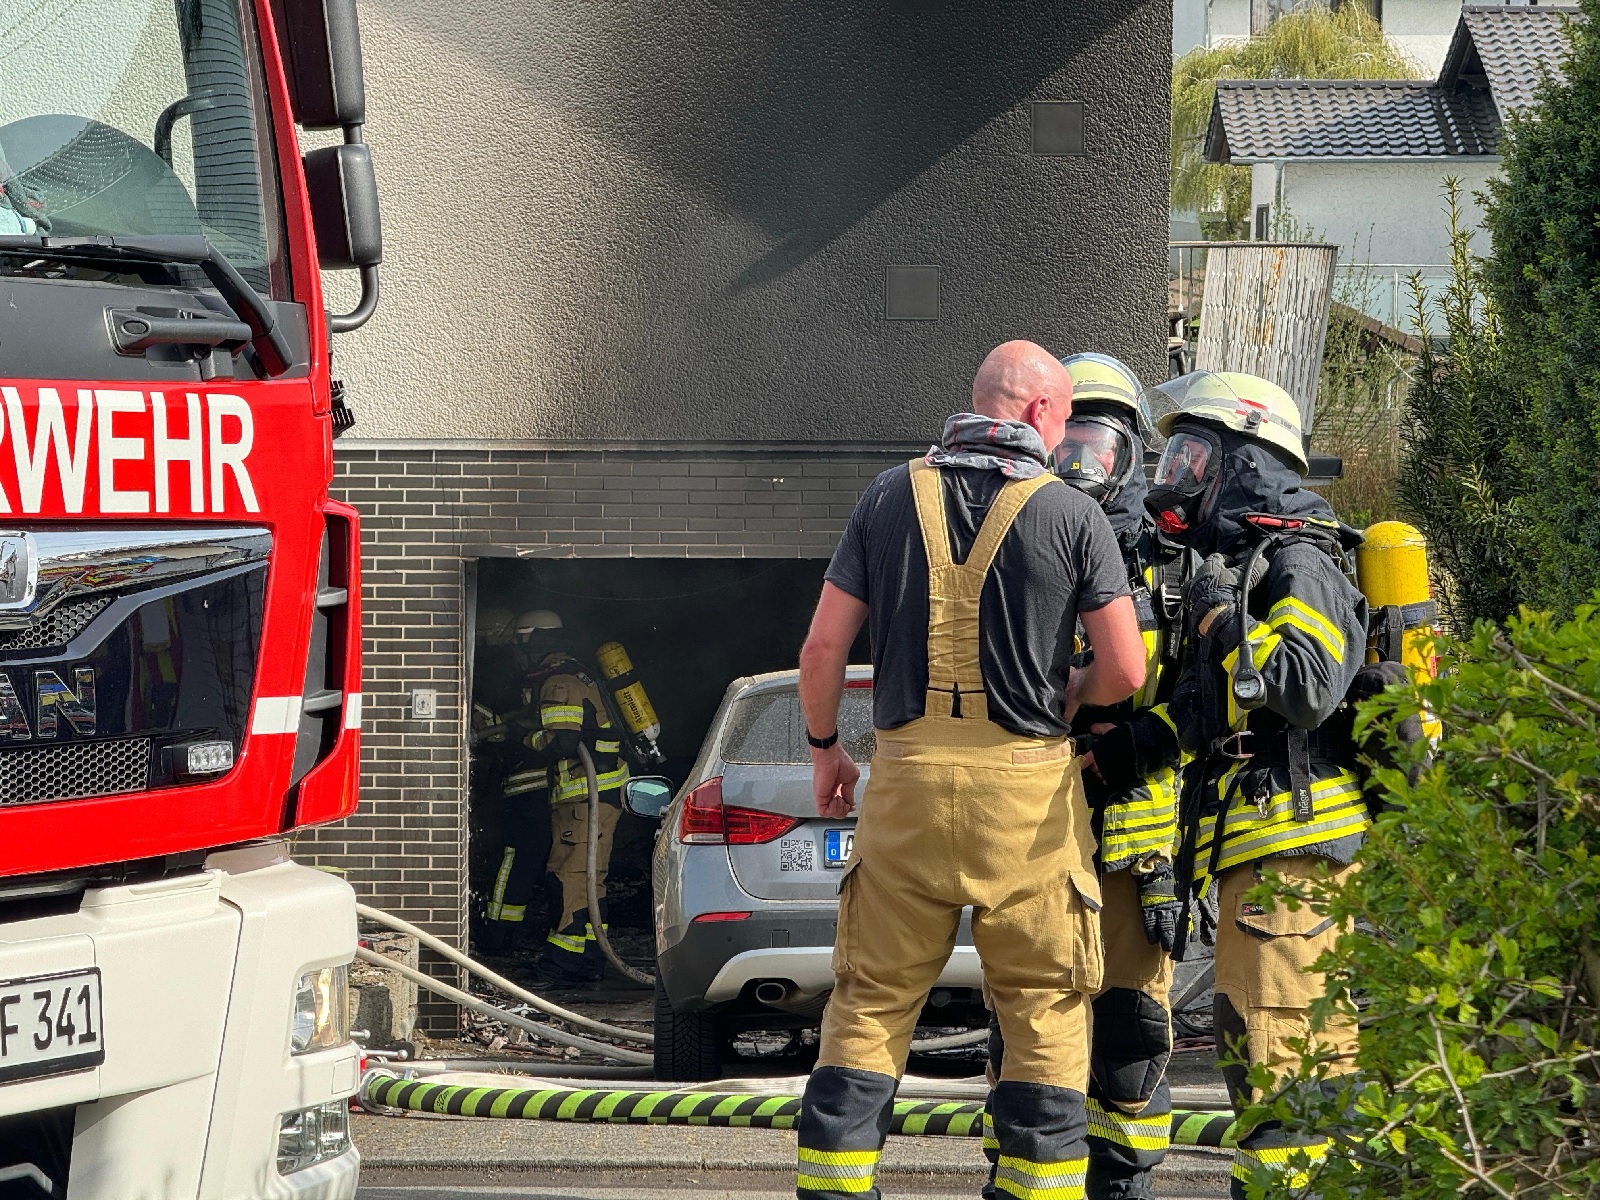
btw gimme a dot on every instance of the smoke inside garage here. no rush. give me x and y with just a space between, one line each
691 627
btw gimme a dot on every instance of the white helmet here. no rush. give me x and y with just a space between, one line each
1246 404
536 620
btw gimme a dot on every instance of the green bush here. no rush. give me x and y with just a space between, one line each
1475 957
1459 481
1544 278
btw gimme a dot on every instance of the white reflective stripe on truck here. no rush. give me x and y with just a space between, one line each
276 714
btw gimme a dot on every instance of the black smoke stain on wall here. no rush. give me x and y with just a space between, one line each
788 151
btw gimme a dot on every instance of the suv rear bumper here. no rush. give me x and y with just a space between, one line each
714 960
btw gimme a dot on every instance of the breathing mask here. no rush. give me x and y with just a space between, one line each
1096 456
1185 486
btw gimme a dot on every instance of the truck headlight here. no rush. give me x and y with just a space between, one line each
321 1010
313 1135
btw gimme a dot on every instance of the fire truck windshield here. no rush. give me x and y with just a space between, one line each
139 117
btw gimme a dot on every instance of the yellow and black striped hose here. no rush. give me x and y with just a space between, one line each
926 1118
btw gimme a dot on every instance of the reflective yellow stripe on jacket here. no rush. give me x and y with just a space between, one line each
1337 810
572 782
1144 822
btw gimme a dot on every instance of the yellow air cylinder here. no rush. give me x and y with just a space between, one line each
1393 565
637 712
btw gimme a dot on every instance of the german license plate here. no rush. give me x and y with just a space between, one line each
50 1024
836 846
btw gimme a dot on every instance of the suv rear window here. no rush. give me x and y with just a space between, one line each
768 728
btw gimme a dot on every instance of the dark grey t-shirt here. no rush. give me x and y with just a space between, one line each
1058 559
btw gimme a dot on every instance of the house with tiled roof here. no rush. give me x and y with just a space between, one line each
1362 163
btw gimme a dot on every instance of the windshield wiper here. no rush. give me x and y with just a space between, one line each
186 249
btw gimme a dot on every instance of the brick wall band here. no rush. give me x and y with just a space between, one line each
427 513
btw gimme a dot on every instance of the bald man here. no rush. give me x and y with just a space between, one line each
975 566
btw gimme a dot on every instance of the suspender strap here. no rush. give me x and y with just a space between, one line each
955 676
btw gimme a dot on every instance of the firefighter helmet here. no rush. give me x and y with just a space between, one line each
1100 380
497 626
1246 404
536 620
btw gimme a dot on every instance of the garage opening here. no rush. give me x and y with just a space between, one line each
691 627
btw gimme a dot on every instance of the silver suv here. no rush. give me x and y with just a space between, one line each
746 881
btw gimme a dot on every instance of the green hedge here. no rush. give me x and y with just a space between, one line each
1475 958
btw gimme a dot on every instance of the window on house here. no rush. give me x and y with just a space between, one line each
1264 12
1263 221
1374 8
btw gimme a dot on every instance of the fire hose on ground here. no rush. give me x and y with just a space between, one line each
917 1118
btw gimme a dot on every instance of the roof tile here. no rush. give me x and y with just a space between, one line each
1349 119
1517 45
1496 61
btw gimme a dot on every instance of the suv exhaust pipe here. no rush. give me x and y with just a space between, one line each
774 993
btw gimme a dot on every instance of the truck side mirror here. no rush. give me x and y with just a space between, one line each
320 42
648 796
344 207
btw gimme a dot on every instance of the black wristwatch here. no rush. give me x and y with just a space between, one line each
817 743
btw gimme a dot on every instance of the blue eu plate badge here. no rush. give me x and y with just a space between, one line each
836 846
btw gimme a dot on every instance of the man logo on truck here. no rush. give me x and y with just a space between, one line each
53 700
17 572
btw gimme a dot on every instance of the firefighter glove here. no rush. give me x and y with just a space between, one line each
1212 598
1159 907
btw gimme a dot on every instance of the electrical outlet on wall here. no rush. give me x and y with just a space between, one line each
424 703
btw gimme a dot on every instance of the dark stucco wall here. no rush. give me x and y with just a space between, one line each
645 221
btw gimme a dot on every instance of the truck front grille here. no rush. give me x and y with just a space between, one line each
68 772
57 629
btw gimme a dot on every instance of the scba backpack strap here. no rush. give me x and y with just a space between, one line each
1386 631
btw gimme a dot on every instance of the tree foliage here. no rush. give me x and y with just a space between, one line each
1544 279
1474 955
1458 482
1310 43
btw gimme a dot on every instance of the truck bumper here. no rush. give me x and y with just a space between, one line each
198 976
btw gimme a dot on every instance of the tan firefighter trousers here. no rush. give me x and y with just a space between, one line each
1263 957
959 811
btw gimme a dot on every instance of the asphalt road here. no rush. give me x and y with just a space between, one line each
608 1184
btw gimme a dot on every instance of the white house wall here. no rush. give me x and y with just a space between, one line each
1188 26
1385 212
1230 19
1422 30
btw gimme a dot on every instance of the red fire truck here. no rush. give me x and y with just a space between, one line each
179 622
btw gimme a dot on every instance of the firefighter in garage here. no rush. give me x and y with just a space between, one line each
505 768
1277 635
1135 816
975 565
567 708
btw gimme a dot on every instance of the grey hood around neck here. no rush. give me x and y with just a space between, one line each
971 440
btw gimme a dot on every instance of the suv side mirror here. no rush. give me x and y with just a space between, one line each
647 796
320 42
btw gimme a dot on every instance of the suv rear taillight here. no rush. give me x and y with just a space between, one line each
706 821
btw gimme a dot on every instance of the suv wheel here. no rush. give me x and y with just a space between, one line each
688 1045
